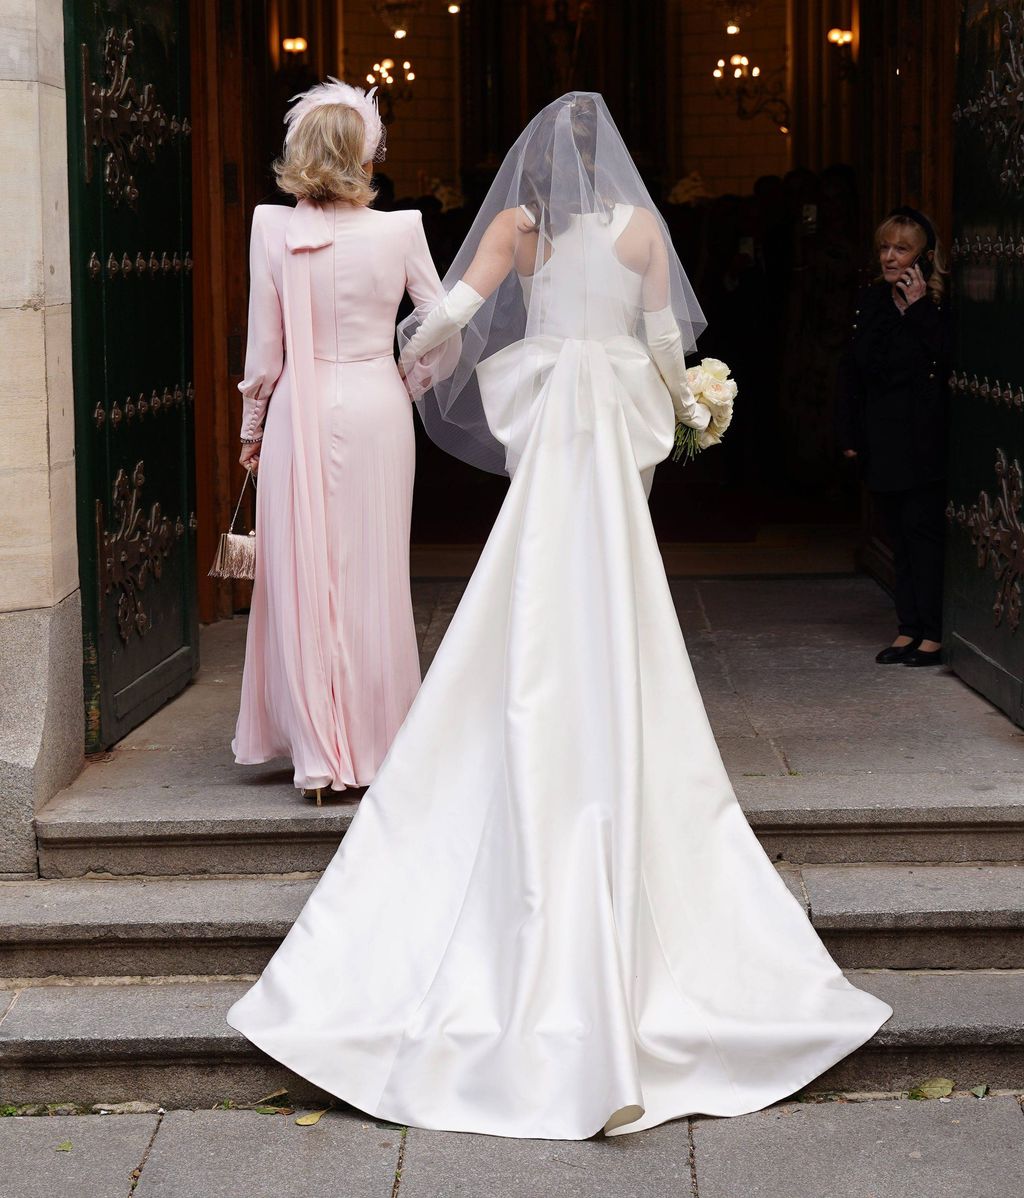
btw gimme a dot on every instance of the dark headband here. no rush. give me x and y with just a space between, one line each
918 218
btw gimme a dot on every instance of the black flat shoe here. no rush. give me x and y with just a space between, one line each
894 654
923 657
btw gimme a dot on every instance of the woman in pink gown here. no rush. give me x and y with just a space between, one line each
331 663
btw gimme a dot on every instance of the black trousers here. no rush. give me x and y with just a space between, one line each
917 527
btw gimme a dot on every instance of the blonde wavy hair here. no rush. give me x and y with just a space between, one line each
322 159
903 225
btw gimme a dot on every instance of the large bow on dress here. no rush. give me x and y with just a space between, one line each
581 378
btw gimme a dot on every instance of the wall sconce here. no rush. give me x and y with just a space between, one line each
295 45
842 39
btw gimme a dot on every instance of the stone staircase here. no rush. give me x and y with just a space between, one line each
167 876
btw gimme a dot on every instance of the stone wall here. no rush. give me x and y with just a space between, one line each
41 715
423 139
729 152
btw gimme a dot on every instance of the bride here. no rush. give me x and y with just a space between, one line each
550 917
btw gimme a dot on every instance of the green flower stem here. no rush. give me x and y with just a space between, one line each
687 443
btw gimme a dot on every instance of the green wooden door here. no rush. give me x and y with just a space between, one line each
985 573
129 157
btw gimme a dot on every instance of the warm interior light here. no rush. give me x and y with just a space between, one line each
294 45
387 64
738 73
453 8
783 128
717 73
735 60
400 33
840 37
371 78
406 66
756 71
732 27
410 75
721 62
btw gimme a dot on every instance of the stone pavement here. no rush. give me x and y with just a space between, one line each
882 1148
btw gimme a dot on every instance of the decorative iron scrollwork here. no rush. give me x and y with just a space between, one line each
990 250
140 265
997 531
997 392
142 405
135 551
121 116
997 112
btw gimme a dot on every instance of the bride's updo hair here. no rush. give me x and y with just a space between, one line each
536 183
322 158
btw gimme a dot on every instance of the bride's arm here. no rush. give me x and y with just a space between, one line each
664 339
490 265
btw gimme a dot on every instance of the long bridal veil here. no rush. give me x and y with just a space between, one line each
569 179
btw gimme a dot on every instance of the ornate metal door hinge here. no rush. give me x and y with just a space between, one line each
124 117
135 552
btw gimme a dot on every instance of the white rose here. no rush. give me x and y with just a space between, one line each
696 379
708 438
715 368
721 389
719 402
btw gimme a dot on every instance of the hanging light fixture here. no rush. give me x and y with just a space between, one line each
733 12
396 14
754 93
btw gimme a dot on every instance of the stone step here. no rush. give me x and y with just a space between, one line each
870 916
818 819
126 817
168 1043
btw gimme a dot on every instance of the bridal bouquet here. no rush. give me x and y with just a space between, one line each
711 386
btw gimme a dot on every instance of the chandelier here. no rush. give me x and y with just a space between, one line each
396 14
394 85
753 92
733 12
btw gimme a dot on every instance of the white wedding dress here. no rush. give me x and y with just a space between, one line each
550 916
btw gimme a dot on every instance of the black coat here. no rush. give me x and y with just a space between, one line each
892 395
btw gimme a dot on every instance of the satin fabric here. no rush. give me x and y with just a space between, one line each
549 916
331 662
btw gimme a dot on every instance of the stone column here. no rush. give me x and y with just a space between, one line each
41 705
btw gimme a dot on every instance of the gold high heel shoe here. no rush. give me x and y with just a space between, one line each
308 794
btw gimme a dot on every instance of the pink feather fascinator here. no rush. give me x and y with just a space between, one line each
336 92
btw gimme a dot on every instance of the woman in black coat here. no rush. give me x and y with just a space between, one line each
892 418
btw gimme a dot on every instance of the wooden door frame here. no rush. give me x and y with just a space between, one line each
223 81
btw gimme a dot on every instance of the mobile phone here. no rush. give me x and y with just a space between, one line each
926 264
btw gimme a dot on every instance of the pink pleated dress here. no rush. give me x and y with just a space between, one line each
331 664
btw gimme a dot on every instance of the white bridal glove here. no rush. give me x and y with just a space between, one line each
666 345
454 312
